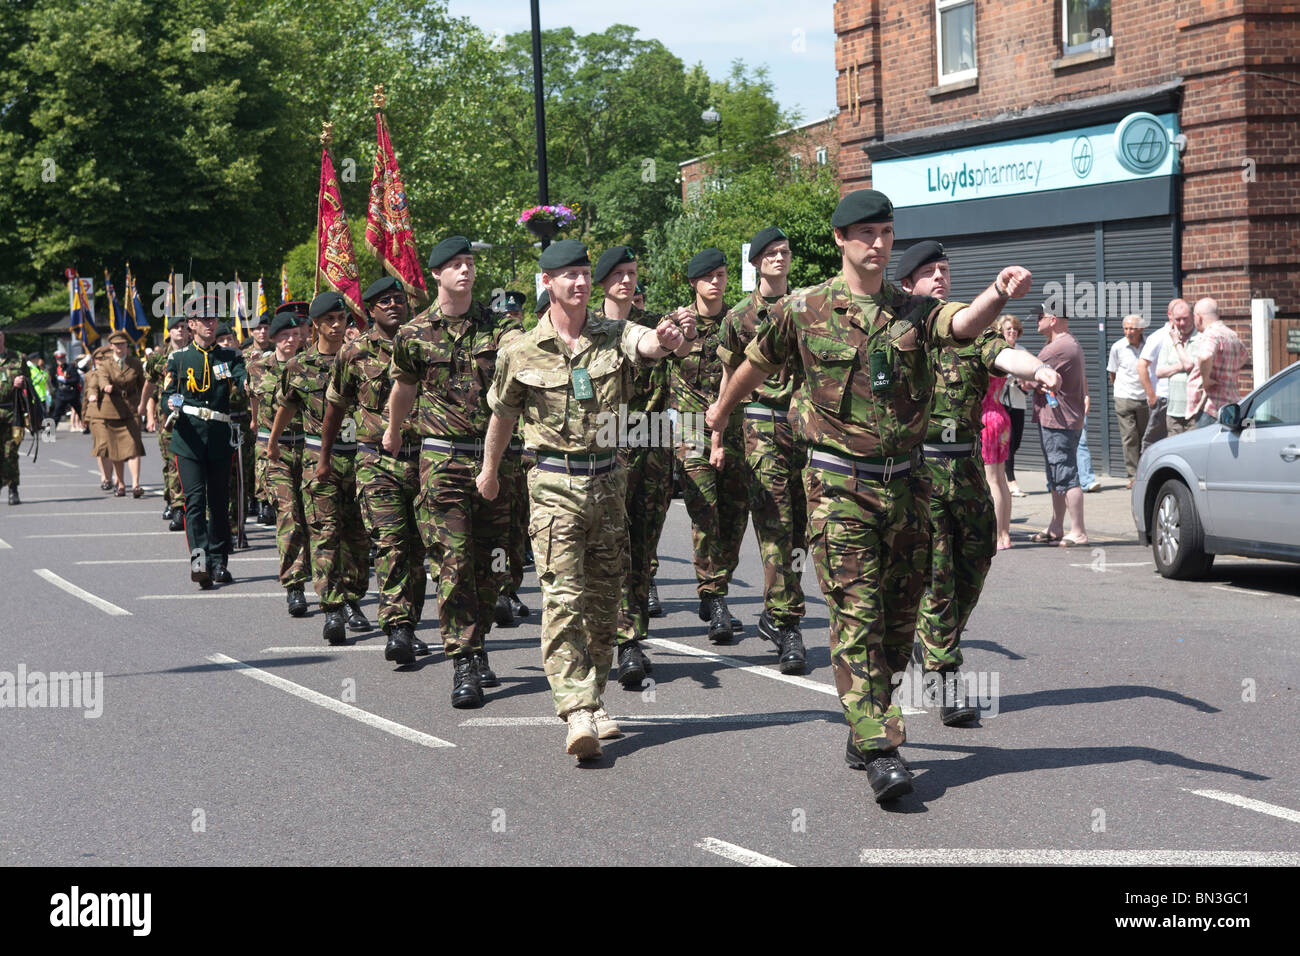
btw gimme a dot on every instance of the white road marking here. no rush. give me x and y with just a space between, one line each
235 559
738 854
105 606
1220 587
65 464
329 703
316 648
101 534
794 717
761 671
1100 566
5 545
1247 803
79 514
208 596
973 857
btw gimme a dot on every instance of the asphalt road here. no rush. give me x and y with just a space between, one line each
1138 720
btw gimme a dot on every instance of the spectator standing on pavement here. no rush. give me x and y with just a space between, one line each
1157 390
1060 419
1087 477
1176 364
66 382
1220 355
1015 400
1131 409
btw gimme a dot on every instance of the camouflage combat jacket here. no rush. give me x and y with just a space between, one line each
865 377
650 382
266 382
303 382
739 326
961 377
453 360
11 366
360 385
534 381
697 376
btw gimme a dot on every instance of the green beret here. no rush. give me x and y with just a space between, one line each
326 302
224 329
763 239
920 254
380 286
543 302
449 249
252 321
566 252
862 205
614 256
511 302
283 322
704 262
297 307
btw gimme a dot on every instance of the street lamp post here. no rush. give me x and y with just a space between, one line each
712 116
539 110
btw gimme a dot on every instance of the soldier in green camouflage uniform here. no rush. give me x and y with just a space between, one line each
155 368
443 363
284 478
513 480
389 483
13 372
773 460
255 347
713 474
961 512
340 545
565 378
860 350
649 465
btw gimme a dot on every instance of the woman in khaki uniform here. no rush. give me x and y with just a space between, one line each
93 417
119 379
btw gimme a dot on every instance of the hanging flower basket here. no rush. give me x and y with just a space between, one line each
545 221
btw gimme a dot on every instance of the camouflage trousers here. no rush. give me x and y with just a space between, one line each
340 557
171 481
717 501
962 526
578 527
649 490
261 490
514 485
774 468
466 536
870 543
284 482
11 437
388 489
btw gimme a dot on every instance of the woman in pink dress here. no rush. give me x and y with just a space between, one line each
996 445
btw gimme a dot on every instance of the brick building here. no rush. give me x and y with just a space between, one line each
807 145
1125 150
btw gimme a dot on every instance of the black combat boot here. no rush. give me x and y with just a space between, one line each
954 708
167 513
652 605
335 631
13 495
632 665
178 520
886 771
714 610
356 620
220 574
297 602
519 608
465 688
399 649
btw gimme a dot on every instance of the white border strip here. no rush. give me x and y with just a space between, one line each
738 854
329 703
973 857
208 596
105 606
65 464
100 534
1282 813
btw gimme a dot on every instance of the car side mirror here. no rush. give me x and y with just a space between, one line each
1230 416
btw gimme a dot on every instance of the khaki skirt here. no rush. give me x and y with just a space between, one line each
124 438
98 437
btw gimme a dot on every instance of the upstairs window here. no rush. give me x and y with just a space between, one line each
955 37
1085 25
821 155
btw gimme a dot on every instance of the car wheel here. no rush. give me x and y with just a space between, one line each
1177 541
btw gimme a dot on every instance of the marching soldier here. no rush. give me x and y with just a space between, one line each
961 512
13 378
562 378
509 607
197 388
649 466
255 349
241 464
773 460
155 369
283 476
442 367
340 545
713 480
859 348
389 483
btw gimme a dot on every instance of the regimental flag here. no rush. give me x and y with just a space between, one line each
240 309
336 260
133 317
81 314
261 298
284 285
169 302
388 221
114 308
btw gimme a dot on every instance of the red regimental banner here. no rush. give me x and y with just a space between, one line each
388 221
337 260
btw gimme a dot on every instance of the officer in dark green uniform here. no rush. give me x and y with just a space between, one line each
197 389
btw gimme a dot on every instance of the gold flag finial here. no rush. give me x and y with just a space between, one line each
326 134
379 99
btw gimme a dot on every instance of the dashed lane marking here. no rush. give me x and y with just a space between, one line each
93 600
738 854
1247 803
990 857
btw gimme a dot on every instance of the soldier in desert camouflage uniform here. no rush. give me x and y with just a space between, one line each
859 348
443 363
961 511
340 545
565 378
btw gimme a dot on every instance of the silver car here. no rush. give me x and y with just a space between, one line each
1227 487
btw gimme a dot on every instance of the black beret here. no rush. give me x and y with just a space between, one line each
449 249
543 302
223 329
762 239
326 302
704 262
511 302
917 255
381 285
297 307
862 205
266 318
566 252
283 322
611 257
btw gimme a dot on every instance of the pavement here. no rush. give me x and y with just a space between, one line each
1127 719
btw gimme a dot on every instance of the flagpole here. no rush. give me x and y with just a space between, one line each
326 137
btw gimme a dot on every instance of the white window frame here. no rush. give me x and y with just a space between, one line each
1094 44
939 7
823 155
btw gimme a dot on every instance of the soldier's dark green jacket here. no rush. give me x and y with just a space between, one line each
205 379
961 377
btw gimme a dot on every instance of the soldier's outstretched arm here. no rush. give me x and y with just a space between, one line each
743 381
1026 365
1013 282
400 402
498 435
329 431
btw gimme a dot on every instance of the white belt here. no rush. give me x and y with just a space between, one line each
206 414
